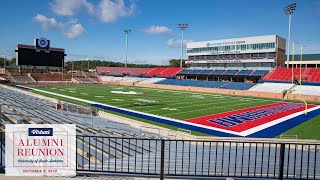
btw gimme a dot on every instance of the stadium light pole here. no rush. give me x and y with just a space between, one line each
72 67
126 31
182 27
4 62
289 9
88 66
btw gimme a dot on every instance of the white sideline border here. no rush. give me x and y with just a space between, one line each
243 133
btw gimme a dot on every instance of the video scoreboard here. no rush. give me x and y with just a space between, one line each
40 54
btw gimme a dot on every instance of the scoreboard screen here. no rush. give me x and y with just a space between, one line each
30 55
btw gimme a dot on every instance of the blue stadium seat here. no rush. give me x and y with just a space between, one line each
208 84
238 85
244 72
195 71
231 72
211 84
259 73
168 82
205 72
217 72
185 71
187 82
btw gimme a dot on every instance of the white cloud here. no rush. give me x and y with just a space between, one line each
157 30
177 42
70 7
106 10
47 23
112 10
70 29
74 31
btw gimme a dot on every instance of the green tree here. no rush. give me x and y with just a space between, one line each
176 63
13 61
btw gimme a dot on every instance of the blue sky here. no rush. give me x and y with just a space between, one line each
94 28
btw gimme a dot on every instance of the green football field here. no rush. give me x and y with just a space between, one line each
167 103
174 104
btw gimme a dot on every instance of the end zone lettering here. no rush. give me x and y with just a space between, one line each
236 119
242 120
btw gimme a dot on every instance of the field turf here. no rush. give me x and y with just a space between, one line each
174 104
167 103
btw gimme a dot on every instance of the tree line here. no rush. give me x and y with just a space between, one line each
8 61
92 64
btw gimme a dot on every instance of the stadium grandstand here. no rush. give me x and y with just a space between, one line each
240 59
147 72
237 103
135 120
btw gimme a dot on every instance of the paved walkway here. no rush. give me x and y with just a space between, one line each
3 177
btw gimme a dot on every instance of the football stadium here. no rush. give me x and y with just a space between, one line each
238 108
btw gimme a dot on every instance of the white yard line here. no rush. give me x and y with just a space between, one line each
151 115
244 133
198 104
207 109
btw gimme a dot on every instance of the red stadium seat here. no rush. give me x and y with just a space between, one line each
285 74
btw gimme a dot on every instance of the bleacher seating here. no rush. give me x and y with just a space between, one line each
152 80
186 82
133 79
307 90
148 72
238 85
217 72
22 79
285 74
259 73
85 80
17 107
244 72
231 72
211 84
184 72
50 77
168 82
195 71
271 87
106 78
208 84
94 79
313 74
156 71
120 71
223 72
205 72
170 72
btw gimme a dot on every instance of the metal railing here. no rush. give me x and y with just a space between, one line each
195 158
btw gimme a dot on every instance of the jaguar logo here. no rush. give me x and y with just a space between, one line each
43 42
